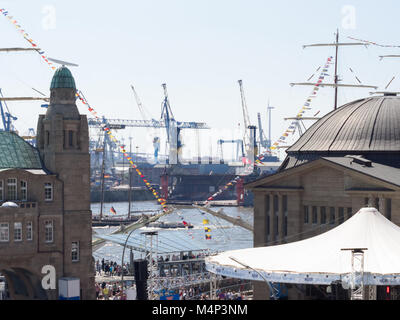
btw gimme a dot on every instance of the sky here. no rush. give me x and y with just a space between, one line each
200 49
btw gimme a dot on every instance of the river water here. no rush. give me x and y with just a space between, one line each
224 235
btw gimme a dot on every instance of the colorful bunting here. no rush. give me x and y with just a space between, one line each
27 38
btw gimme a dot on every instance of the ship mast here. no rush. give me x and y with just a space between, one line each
336 67
336 84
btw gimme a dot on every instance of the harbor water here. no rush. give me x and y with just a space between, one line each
224 235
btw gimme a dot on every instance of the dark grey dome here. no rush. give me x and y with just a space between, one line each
366 125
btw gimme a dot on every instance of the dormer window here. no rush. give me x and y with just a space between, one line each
24 190
48 192
11 189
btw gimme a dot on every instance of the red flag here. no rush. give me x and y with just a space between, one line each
112 210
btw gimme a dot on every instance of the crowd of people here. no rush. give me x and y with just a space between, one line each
111 268
106 291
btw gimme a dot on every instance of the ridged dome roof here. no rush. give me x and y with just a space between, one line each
366 125
63 79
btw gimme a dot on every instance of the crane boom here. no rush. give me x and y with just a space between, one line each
92 122
263 139
246 119
139 104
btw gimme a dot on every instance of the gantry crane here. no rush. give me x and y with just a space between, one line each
167 121
239 148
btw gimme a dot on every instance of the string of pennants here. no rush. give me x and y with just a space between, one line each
91 110
224 188
306 106
290 129
207 229
105 128
374 43
27 37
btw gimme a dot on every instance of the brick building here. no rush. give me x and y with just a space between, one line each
51 221
347 160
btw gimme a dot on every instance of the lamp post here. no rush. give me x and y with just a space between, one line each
122 263
248 267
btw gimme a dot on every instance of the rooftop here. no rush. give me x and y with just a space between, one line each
63 79
17 153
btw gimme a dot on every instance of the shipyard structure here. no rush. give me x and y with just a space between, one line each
45 217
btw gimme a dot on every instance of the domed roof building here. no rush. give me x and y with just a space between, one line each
348 159
369 127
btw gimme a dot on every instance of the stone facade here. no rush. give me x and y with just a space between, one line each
54 207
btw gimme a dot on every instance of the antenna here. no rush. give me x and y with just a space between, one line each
64 63
336 44
390 56
387 86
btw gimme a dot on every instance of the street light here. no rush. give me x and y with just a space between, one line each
122 263
248 267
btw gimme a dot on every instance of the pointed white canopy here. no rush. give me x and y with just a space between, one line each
321 259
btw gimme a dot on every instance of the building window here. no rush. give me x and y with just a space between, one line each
29 231
332 215
267 214
306 214
285 213
24 190
349 212
47 137
1 191
48 231
48 192
323 215
70 138
341 215
314 215
276 215
75 251
11 189
4 232
17 231
388 209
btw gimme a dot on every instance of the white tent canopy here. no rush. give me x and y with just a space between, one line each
321 259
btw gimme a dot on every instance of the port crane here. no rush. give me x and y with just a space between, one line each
263 141
167 121
239 148
246 119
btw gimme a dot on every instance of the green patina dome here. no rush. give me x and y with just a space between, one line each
63 79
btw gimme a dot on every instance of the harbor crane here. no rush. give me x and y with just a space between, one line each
263 141
246 119
167 121
239 147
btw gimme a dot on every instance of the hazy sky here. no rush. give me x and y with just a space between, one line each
199 49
